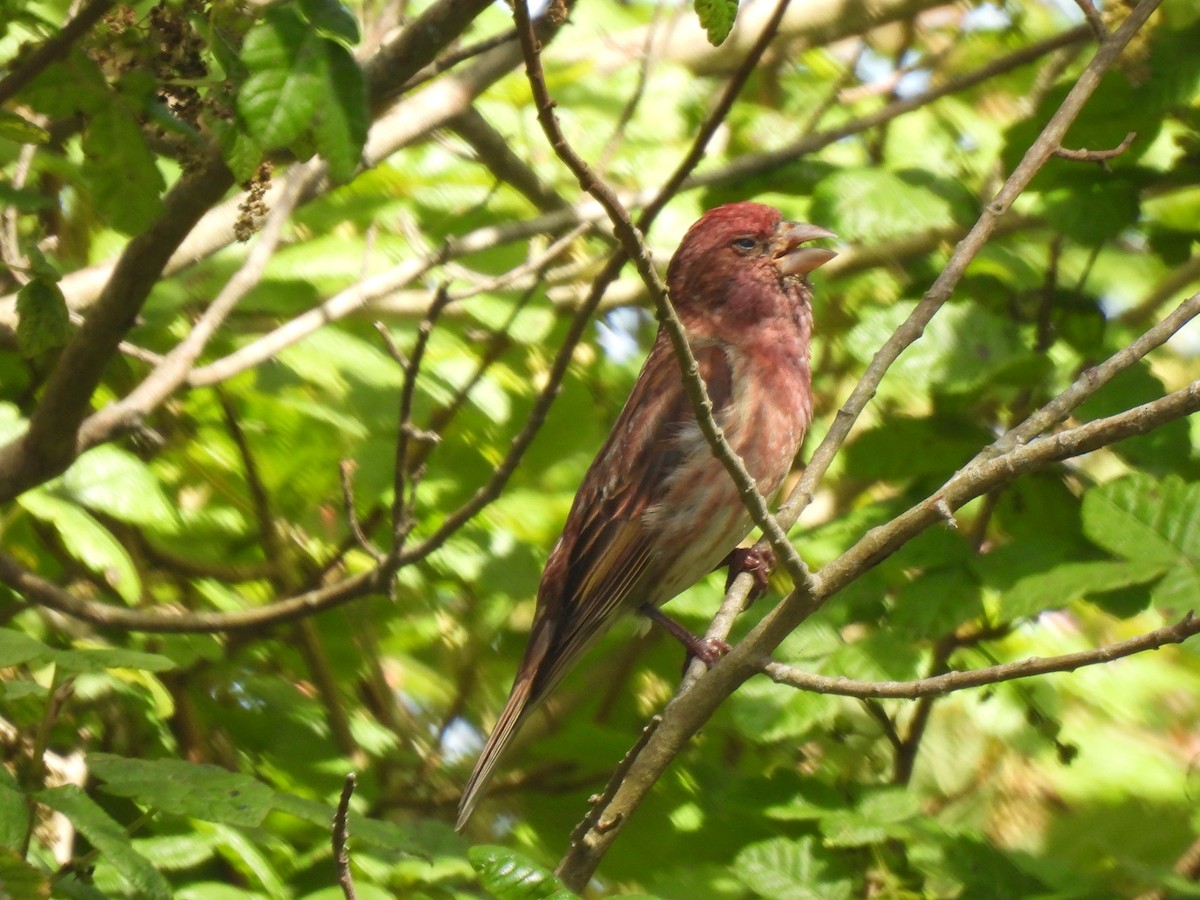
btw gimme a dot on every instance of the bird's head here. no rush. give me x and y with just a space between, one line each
740 247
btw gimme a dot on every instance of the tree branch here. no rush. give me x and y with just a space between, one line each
1098 156
939 685
435 106
340 837
53 49
52 441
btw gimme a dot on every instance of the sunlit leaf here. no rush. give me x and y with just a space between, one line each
107 836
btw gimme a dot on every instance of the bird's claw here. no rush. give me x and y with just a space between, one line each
758 563
708 650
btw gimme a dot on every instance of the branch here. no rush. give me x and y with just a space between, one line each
401 519
1094 19
174 369
938 685
359 295
495 151
341 837
964 252
1098 156
435 106
813 23
1091 380
167 620
389 70
689 710
51 443
415 118
53 49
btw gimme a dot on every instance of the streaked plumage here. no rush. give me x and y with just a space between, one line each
656 510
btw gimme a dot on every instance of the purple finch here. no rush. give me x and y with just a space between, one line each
657 511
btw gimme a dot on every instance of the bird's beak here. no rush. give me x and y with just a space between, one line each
791 257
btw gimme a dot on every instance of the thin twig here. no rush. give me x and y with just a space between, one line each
401 519
173 371
913 327
741 662
341 838
52 49
211 235
346 473
454 57
1094 19
1097 156
940 685
1091 380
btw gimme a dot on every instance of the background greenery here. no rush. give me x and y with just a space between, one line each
144 763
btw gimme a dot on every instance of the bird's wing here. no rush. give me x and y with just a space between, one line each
607 552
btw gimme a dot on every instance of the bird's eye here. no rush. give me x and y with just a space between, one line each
745 244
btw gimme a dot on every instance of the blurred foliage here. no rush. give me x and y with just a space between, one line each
208 766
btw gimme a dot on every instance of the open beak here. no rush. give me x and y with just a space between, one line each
794 259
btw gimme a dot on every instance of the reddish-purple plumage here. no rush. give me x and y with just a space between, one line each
656 510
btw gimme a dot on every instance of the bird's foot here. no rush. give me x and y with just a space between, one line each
757 562
707 650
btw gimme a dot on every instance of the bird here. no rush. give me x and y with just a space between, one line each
656 510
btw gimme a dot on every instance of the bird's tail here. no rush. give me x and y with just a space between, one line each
514 712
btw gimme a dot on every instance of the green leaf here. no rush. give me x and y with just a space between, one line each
43 321
172 852
783 869
18 879
125 183
19 690
87 540
342 118
1073 581
242 153
716 18
872 204
1091 210
108 837
99 659
24 200
1145 520
963 349
1149 521
508 875
1162 449
937 602
249 860
20 130
765 712
75 85
17 648
286 60
14 817
878 816
331 19
186 789
946 443
113 481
